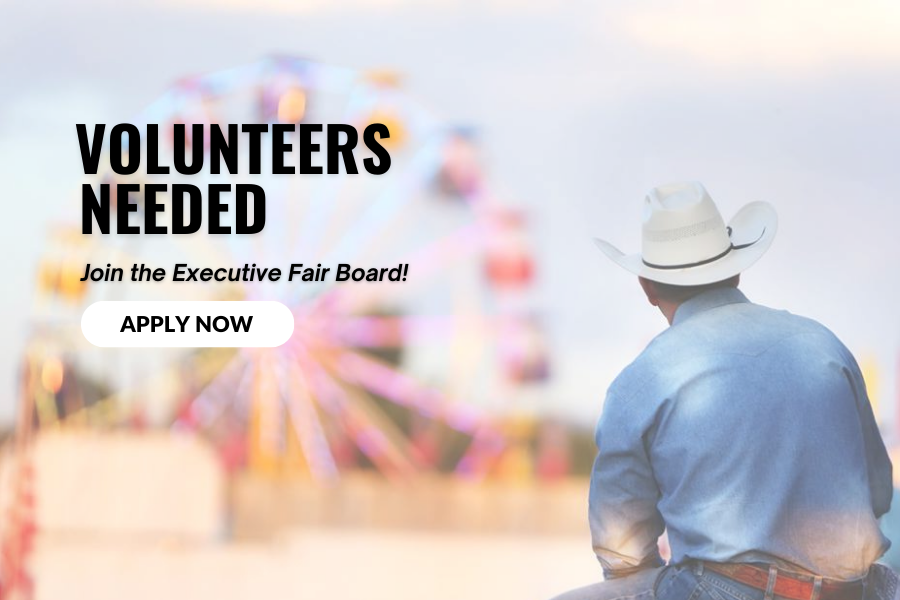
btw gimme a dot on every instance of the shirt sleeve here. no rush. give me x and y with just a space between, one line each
880 471
624 520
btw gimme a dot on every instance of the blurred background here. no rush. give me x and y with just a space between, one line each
432 438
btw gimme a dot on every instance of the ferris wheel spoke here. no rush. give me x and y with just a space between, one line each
396 331
391 201
372 431
379 434
266 438
305 421
210 403
384 380
481 455
377 215
428 260
486 443
324 197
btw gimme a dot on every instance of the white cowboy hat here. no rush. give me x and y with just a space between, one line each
686 242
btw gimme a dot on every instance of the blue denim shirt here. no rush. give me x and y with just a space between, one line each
745 432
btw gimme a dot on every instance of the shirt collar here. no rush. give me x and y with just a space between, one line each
707 300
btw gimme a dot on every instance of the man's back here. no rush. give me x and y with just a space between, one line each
747 433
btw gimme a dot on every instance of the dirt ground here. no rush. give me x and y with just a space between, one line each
317 564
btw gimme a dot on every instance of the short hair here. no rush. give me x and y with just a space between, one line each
682 293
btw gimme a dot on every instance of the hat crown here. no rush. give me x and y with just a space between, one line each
682 226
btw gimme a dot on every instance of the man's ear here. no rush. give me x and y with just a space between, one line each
650 290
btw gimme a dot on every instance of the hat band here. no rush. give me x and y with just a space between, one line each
707 260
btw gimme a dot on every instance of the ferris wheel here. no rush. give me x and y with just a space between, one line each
451 348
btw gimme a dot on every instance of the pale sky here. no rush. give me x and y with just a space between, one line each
581 108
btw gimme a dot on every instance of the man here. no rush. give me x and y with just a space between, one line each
742 431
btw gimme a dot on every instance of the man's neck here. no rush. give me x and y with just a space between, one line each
676 313
668 309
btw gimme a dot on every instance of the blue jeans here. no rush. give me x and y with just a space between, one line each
692 582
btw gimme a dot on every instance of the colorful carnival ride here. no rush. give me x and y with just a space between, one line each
400 378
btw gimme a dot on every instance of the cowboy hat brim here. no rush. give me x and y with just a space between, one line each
752 230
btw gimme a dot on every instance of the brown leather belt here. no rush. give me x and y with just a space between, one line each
788 585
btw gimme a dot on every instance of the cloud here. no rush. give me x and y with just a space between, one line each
333 7
797 35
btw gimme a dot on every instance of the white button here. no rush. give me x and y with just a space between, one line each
197 324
